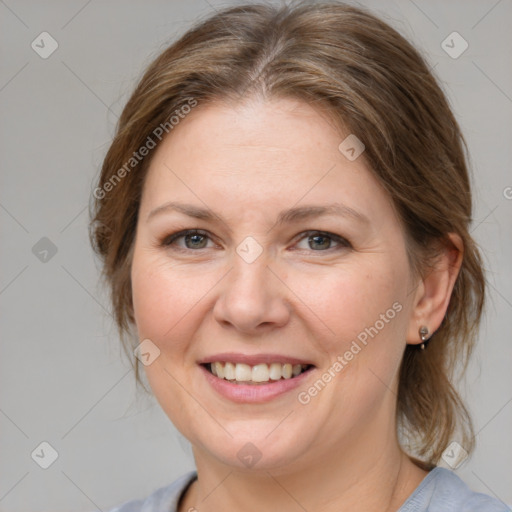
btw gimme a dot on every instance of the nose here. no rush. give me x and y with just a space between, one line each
252 298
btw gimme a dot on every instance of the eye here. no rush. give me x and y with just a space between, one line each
192 238
195 239
322 241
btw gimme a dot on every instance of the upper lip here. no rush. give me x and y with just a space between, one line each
252 360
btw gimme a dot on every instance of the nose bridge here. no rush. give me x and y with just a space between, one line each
251 295
250 269
249 284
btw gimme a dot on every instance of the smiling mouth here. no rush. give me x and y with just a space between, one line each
240 373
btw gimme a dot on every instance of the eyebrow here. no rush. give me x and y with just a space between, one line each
286 216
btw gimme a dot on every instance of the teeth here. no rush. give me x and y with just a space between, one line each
243 372
260 373
229 371
276 371
219 370
240 372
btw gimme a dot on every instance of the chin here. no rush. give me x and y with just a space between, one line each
251 448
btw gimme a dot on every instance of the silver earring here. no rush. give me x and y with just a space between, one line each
423 332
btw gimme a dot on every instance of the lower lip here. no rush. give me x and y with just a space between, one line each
253 393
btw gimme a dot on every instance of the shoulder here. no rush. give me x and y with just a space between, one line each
443 491
164 499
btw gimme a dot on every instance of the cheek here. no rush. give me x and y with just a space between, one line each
349 301
366 310
158 300
371 316
153 294
168 300
165 303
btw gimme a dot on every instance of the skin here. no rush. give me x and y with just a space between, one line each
302 297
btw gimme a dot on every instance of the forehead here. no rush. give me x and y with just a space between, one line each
266 153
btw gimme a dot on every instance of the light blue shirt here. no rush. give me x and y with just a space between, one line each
440 491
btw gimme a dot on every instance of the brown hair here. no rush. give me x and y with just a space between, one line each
372 81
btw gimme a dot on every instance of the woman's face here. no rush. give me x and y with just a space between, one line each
300 264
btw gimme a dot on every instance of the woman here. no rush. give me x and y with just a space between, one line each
283 219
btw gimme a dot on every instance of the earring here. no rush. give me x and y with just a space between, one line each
423 332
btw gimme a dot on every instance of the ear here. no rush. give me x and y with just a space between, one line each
434 290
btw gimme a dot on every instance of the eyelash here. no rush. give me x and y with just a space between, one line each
168 241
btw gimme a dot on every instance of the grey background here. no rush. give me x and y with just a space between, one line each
63 378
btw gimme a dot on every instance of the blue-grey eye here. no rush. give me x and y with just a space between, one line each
319 242
196 240
188 239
